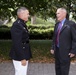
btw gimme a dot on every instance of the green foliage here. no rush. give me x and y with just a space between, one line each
70 5
45 8
8 8
5 47
3 26
40 50
44 22
36 32
41 32
5 32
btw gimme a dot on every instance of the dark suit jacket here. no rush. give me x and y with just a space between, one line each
20 41
67 39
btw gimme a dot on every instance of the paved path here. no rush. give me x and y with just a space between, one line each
34 69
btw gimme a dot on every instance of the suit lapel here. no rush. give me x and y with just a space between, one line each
56 27
64 26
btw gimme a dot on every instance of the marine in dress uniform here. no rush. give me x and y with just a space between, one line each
20 50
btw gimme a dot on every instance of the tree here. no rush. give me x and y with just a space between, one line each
44 8
70 5
9 7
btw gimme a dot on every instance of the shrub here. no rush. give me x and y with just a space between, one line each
5 33
36 32
3 26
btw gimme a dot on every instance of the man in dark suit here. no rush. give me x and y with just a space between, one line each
64 42
20 51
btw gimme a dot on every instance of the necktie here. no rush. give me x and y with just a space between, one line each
58 33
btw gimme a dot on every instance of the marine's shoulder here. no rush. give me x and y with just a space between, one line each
17 22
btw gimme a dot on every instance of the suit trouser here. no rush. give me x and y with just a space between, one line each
19 68
61 66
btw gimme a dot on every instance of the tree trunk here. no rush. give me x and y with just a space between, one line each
33 19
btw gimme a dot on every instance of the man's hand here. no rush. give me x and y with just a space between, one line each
23 62
52 51
71 55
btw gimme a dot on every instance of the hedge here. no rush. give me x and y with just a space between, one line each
36 32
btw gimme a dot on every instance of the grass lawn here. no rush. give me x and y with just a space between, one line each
40 50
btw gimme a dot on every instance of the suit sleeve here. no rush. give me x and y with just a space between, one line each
73 32
16 33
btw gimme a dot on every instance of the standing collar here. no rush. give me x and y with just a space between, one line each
21 20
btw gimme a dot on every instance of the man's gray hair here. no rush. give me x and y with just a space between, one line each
63 9
21 9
